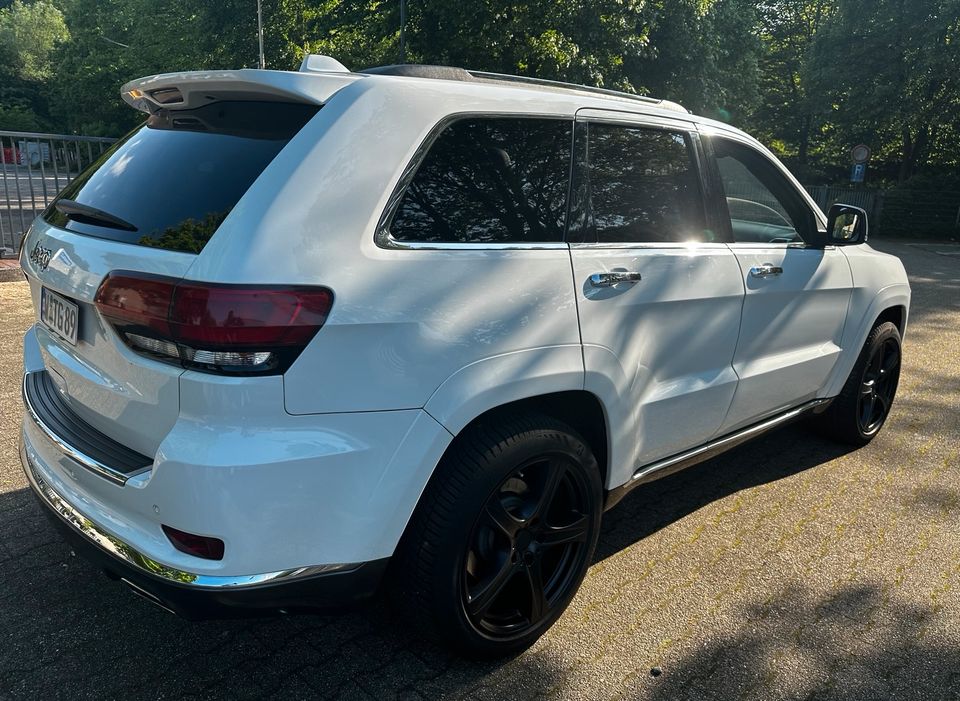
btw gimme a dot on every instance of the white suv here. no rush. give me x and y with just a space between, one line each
302 325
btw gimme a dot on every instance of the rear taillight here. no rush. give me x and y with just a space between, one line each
237 329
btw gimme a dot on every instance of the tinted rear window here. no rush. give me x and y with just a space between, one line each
490 180
176 177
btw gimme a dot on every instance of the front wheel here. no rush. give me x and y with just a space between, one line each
503 536
859 412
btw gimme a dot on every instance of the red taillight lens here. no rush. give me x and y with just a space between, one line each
224 328
196 545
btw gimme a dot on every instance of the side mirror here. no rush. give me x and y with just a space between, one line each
846 225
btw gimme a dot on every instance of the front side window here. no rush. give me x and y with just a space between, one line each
763 205
489 180
643 186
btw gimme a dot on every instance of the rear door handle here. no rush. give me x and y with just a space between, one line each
614 278
765 270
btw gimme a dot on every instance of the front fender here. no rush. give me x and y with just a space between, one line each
858 327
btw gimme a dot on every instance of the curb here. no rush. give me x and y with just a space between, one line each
11 274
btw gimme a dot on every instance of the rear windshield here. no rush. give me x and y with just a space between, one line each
170 182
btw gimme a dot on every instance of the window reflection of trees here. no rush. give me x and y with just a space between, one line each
189 236
643 185
490 180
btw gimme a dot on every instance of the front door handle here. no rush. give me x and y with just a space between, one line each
765 270
614 278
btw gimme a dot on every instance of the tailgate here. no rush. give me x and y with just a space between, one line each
131 399
148 205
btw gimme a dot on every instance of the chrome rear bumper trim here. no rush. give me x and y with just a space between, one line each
127 554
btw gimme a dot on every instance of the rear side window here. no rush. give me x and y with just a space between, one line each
644 186
489 180
170 182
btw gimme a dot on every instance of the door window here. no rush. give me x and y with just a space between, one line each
643 186
763 205
490 180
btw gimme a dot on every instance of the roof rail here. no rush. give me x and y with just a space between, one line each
506 77
413 70
421 70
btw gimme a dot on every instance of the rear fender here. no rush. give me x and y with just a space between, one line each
501 379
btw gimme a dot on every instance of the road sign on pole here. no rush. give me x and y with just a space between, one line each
858 172
860 153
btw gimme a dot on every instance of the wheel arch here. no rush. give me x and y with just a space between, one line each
892 303
579 409
896 314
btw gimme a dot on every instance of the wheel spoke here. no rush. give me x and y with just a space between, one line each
538 597
548 489
890 363
487 592
576 532
866 411
884 406
498 515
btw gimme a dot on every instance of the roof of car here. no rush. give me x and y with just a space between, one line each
191 89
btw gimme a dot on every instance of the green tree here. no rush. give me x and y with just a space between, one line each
788 116
29 32
29 35
704 55
889 69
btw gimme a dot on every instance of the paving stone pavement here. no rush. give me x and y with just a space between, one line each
789 568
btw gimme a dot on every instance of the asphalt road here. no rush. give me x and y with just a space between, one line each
790 568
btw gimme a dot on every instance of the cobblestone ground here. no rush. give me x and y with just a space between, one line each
790 568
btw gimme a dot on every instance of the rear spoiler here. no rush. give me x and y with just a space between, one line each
192 89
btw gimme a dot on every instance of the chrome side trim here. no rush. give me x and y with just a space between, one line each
389 242
659 246
126 553
70 451
730 440
674 463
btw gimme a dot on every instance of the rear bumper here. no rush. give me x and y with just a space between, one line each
194 595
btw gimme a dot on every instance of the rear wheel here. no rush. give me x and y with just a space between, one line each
859 412
503 536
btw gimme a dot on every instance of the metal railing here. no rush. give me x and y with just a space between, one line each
33 169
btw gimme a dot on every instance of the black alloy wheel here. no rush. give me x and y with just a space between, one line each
527 547
879 385
858 413
502 537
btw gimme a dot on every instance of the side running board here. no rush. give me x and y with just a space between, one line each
688 458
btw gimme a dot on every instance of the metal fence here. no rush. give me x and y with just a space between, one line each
870 200
33 169
899 211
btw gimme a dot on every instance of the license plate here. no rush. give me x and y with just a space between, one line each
59 314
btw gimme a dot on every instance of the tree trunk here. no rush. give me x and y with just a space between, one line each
913 151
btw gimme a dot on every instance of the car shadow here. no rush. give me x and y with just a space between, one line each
89 634
655 505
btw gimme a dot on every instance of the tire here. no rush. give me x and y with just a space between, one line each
502 537
860 410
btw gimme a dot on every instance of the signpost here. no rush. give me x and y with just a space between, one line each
859 154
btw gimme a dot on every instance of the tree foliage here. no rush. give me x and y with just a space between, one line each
810 77
889 73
